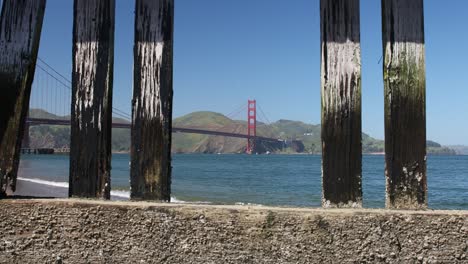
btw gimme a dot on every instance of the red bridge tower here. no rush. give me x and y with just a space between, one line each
251 125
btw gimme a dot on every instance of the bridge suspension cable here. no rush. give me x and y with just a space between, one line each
52 92
237 111
267 121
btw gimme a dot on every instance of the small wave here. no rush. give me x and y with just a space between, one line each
44 182
126 194
121 194
248 204
175 200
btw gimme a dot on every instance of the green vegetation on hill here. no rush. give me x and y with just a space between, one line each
309 135
203 119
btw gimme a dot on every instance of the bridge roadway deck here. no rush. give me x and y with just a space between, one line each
62 122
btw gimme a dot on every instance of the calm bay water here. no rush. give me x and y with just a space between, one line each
281 180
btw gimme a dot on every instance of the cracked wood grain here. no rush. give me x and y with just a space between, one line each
150 171
20 32
405 103
92 81
341 103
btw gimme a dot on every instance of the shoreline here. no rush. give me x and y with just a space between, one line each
29 188
37 189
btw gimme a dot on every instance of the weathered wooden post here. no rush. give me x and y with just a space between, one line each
341 103
405 114
20 32
91 118
152 100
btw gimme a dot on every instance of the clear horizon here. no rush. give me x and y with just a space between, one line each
228 52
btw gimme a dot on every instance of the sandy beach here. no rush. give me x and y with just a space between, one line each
28 189
31 189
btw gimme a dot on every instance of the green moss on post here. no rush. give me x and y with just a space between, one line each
150 171
20 32
91 119
405 114
341 103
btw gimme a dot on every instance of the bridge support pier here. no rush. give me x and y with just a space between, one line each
405 97
341 103
20 31
91 113
150 173
251 126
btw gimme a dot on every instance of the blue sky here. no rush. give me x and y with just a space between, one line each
231 50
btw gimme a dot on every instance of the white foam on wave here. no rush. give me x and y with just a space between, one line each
248 204
44 182
121 194
175 200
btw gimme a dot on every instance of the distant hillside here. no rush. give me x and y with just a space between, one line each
188 143
435 148
58 136
39 113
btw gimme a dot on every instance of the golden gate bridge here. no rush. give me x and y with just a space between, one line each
51 92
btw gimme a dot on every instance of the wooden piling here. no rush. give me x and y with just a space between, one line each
20 32
91 118
405 114
341 103
152 100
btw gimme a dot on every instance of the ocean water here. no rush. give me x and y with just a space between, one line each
278 180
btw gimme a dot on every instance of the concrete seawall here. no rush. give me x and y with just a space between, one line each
81 231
